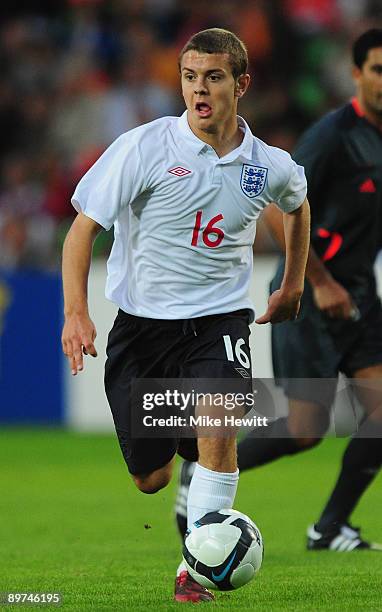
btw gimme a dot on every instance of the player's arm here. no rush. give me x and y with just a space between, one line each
292 231
79 332
328 294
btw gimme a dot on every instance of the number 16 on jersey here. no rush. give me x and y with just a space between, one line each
209 230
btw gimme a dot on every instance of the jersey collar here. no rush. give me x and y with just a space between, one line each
197 145
357 107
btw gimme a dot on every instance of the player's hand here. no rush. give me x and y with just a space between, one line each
78 338
333 299
282 306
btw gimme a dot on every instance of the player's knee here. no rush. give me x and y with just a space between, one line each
374 417
152 483
306 443
307 432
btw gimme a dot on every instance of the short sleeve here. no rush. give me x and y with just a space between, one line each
112 183
294 193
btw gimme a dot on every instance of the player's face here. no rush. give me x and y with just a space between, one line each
210 91
369 81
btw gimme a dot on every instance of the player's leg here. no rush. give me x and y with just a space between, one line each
214 361
213 487
301 430
215 476
156 480
361 462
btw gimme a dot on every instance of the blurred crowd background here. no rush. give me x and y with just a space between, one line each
77 73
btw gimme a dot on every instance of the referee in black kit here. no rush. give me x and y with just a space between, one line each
339 328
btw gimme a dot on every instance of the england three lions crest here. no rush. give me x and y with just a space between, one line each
253 180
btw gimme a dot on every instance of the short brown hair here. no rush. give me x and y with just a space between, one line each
217 40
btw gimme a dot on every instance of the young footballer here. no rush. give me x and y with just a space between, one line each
184 194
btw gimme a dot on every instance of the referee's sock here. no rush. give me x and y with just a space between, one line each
360 464
264 444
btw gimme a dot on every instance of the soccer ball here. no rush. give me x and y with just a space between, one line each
223 550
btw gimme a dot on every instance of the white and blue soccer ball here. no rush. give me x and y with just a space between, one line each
223 550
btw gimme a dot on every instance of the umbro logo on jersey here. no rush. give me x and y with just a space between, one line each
253 180
179 171
368 186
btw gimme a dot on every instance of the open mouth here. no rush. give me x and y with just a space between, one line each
203 109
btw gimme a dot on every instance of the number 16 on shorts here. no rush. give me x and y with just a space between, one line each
238 351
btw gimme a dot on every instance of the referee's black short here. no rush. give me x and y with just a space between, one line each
309 353
155 348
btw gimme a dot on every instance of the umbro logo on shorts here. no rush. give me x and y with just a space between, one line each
244 373
179 171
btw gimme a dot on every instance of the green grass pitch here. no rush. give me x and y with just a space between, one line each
71 521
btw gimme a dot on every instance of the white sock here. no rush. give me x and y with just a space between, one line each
181 567
210 491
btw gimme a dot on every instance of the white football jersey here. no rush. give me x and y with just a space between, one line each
184 219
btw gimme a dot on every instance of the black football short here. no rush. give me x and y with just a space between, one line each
316 347
177 349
